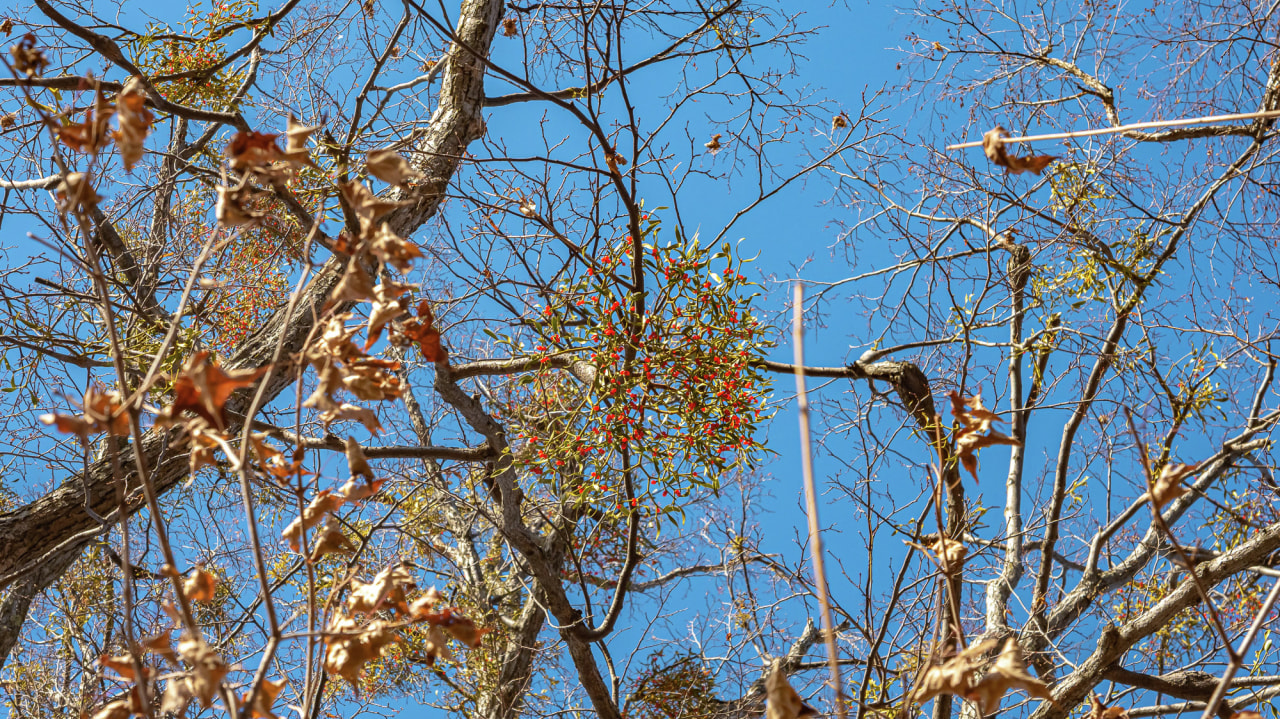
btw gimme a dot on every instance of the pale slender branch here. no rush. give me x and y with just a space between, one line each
1262 114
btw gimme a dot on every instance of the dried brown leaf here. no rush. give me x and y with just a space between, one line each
783 701
390 167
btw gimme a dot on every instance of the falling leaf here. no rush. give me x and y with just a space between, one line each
1168 486
510 27
264 698
975 431
713 146
993 146
387 165
314 513
134 121
27 58
103 412
840 122
200 586
203 388
356 461
1008 672
783 701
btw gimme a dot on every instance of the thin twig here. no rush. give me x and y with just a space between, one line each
811 504
1125 128
1237 659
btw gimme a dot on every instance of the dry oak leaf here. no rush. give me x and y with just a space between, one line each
345 411
954 676
7 122
528 208
75 192
713 145
203 389
207 668
177 696
250 149
330 540
390 167
393 250
1243 715
993 146
90 135
370 378
324 504
161 644
510 27
387 306
950 553
368 207
6 26
1168 486
118 709
422 331
783 701
134 120
1008 672
233 205
348 646
295 143
103 412
1098 710
357 491
200 586
975 431
123 666
839 122
264 698
27 58
387 590
355 286
357 462
451 620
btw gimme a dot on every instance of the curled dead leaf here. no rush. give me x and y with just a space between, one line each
344 411
993 146
27 58
200 585
1168 485
356 461
1008 672
783 701
390 167
207 669
324 503
103 412
204 387
975 431
510 26
134 121
1098 710
75 192
387 591
713 145
330 540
